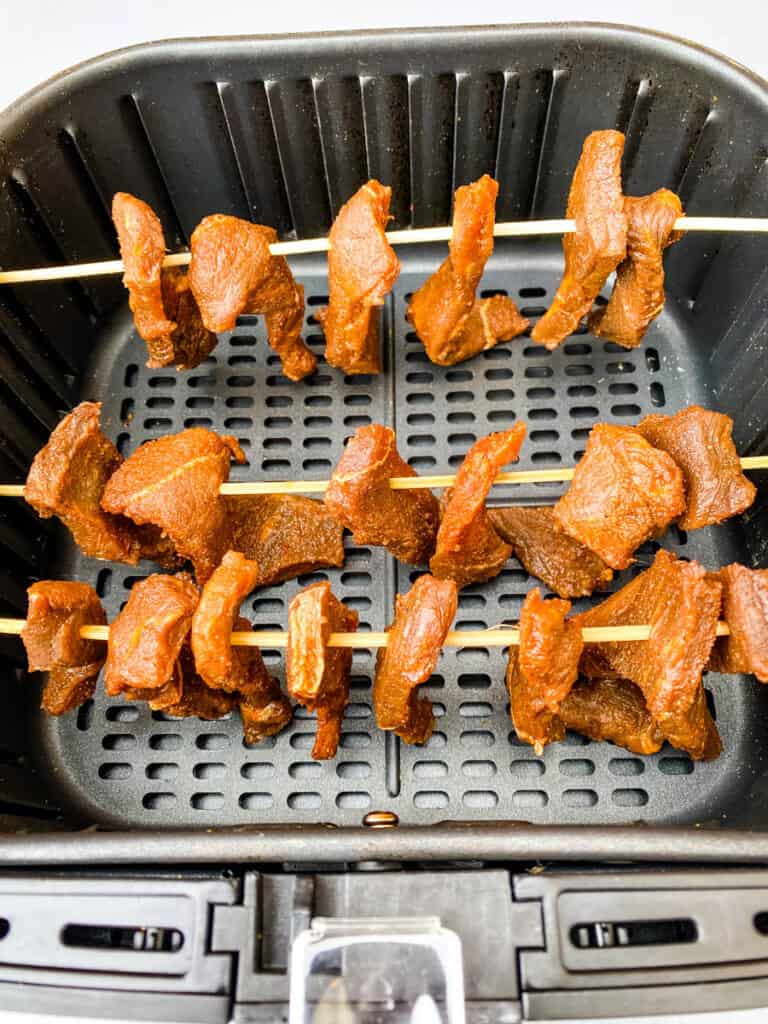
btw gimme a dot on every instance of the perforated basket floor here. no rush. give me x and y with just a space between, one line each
120 764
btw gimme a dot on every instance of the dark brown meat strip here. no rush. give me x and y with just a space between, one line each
681 606
318 675
701 443
599 243
638 295
362 267
173 483
567 567
468 547
287 535
423 618
164 309
264 708
218 663
67 479
445 312
146 637
57 611
624 492
542 670
612 709
196 699
360 498
745 610
233 272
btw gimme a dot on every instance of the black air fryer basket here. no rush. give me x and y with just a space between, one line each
282 131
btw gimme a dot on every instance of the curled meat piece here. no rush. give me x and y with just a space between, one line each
567 567
218 663
264 708
164 310
196 699
233 272
638 295
468 547
173 483
286 534
599 243
624 491
701 443
681 604
423 618
542 670
745 610
145 639
445 312
67 479
360 498
362 267
51 634
318 675
612 709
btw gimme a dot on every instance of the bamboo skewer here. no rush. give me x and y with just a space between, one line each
503 637
412 236
397 483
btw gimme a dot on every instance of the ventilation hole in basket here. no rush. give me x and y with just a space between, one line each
167 771
239 381
119 741
533 311
419 356
579 370
311 422
626 766
538 436
477 738
353 801
500 395
627 409
577 766
474 680
462 440
126 410
479 769
584 412
348 400
104 582
207 801
579 797
472 654
480 798
538 414
460 417
430 800
475 709
546 458
115 771
165 382
496 354
430 770
658 396
304 801
676 765
122 443
472 601
498 373
212 741
159 423
353 770
158 801
209 770
245 360
526 769
538 371
165 741
273 401
529 798
623 389
420 419
581 391
652 359
438 740
256 801
629 797
238 423
532 293
488 293
577 348
270 443
257 770
536 394
421 440
121 714
243 340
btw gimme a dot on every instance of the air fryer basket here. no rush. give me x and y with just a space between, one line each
282 131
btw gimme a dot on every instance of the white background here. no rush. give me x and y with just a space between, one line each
40 37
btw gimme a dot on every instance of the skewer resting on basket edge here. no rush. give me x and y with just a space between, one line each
502 637
411 236
397 483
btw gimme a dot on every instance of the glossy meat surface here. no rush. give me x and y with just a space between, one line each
56 612
452 322
638 295
173 483
233 272
682 606
468 547
318 675
145 639
612 709
360 498
362 268
567 567
624 492
542 669
745 610
599 243
67 479
701 443
218 663
286 534
423 618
